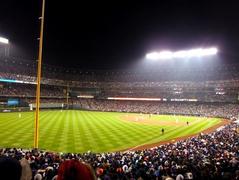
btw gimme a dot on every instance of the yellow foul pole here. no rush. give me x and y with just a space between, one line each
38 90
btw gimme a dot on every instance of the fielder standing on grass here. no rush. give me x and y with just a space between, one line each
19 114
162 130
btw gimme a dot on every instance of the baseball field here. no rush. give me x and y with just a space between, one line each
82 131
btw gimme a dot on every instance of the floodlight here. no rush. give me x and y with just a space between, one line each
153 56
4 40
182 54
195 53
165 55
210 51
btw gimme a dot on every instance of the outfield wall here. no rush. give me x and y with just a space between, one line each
60 106
32 107
14 109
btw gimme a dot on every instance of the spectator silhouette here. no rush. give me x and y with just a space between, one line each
75 170
10 168
26 170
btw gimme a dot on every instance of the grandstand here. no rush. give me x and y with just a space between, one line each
194 85
210 94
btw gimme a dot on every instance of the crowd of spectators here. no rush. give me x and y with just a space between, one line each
16 66
57 94
165 73
29 90
127 83
207 84
207 156
205 95
170 91
188 108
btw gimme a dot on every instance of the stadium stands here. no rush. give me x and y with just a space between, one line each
220 84
207 156
183 108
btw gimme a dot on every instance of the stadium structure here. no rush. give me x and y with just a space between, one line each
74 88
126 124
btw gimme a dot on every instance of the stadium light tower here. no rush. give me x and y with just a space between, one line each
36 124
191 53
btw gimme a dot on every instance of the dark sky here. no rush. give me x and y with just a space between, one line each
117 34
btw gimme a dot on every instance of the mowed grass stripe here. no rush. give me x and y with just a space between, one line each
110 134
123 132
185 130
81 141
99 130
188 130
135 134
101 126
90 137
48 123
87 136
12 123
26 138
11 119
139 133
195 129
119 130
80 131
15 132
66 140
7 130
56 133
105 121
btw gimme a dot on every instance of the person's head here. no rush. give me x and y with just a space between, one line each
26 170
38 176
10 168
75 170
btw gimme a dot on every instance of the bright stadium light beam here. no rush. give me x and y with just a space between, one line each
4 40
199 52
152 56
194 53
180 54
210 51
165 55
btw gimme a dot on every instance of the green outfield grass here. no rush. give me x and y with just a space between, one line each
81 131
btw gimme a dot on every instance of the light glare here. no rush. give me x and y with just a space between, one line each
153 56
4 40
134 99
182 54
165 55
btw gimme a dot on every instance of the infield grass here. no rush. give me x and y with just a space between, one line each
82 131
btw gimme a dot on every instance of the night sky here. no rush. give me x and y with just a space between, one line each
118 34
